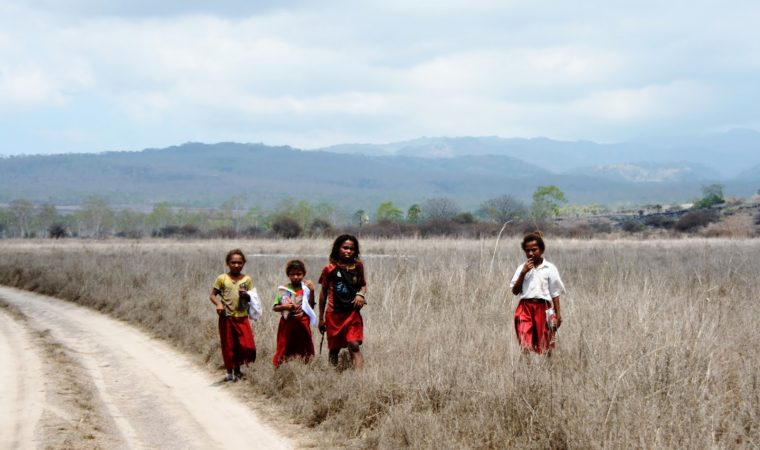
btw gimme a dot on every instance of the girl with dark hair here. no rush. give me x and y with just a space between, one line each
230 297
295 302
341 298
538 285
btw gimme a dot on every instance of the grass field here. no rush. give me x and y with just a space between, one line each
658 348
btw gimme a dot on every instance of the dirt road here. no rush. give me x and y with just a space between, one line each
71 377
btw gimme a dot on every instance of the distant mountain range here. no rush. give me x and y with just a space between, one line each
466 169
726 154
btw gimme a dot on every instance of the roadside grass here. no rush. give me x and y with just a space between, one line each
658 348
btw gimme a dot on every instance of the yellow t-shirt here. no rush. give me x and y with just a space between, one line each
228 292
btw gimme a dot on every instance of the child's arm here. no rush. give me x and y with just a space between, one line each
517 286
214 298
359 300
557 315
322 305
556 287
287 306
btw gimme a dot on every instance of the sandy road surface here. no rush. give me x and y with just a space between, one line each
71 377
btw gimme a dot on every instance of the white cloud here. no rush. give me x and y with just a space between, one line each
28 87
648 103
359 71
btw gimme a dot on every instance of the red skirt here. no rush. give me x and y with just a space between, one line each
530 325
343 327
293 340
238 346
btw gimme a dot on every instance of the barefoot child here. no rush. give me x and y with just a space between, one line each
538 285
230 297
341 298
295 301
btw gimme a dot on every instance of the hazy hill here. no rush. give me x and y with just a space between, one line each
651 172
751 174
208 174
726 153
202 175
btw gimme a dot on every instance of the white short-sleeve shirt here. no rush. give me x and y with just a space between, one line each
541 282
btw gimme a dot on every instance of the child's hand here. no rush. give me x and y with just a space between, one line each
220 309
528 266
358 302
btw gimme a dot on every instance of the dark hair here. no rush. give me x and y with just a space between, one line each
335 253
295 264
234 251
533 237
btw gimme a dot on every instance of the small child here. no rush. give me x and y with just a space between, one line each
230 296
538 285
295 301
341 298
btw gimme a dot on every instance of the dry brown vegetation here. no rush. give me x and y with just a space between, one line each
658 348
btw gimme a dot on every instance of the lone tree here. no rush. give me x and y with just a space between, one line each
547 201
22 212
439 209
361 217
503 209
711 195
387 211
413 213
95 217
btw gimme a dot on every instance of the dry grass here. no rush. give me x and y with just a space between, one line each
658 348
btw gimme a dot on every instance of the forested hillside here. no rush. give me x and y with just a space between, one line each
205 175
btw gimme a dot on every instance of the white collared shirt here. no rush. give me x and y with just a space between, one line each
541 282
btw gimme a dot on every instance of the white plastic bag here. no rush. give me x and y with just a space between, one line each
307 309
254 306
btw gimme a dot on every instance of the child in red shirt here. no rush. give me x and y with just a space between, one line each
294 301
341 298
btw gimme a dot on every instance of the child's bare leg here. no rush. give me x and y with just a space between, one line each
333 356
356 355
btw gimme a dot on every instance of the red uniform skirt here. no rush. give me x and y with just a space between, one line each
530 325
343 327
238 346
293 339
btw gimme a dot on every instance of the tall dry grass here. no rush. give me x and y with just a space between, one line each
658 348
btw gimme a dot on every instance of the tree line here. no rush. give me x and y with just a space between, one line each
96 218
291 218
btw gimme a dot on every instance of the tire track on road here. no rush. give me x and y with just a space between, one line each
21 392
150 395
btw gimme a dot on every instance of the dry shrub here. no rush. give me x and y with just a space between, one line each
695 219
659 221
656 350
385 229
287 228
735 226
632 226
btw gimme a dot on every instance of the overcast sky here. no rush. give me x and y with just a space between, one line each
97 75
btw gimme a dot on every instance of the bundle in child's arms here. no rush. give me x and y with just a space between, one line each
287 295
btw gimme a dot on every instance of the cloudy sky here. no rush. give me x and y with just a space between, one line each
98 75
